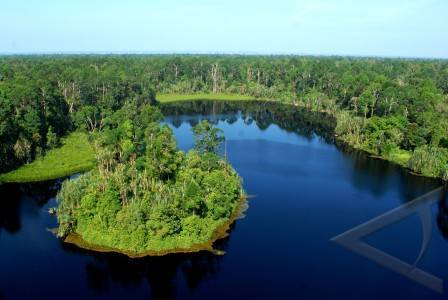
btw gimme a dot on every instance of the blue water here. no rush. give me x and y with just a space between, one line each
305 191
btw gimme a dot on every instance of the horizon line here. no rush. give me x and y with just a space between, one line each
211 53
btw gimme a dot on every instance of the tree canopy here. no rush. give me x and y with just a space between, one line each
145 195
369 96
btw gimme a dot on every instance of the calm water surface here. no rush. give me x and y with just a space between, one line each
306 190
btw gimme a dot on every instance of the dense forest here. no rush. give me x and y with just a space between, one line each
394 108
145 195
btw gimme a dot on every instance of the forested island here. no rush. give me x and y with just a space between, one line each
145 196
139 194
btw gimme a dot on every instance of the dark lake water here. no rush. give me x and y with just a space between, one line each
305 190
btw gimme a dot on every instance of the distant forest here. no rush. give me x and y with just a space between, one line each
395 108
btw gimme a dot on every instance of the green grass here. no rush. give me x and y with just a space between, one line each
164 98
74 155
400 157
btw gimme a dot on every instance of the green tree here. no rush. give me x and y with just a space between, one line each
52 138
207 137
429 161
162 157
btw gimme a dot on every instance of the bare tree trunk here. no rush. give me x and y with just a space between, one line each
44 102
176 71
215 77
249 74
372 108
104 92
390 106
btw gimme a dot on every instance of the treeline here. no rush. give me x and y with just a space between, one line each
264 113
43 98
396 108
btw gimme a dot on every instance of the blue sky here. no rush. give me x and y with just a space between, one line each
408 28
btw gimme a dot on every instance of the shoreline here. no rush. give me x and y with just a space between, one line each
336 137
220 232
167 99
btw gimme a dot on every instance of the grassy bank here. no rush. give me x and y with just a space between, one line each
164 98
74 155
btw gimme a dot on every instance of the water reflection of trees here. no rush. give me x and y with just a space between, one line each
103 270
370 175
10 208
13 196
442 214
378 176
263 113
161 273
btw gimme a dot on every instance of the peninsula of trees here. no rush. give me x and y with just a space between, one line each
145 196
